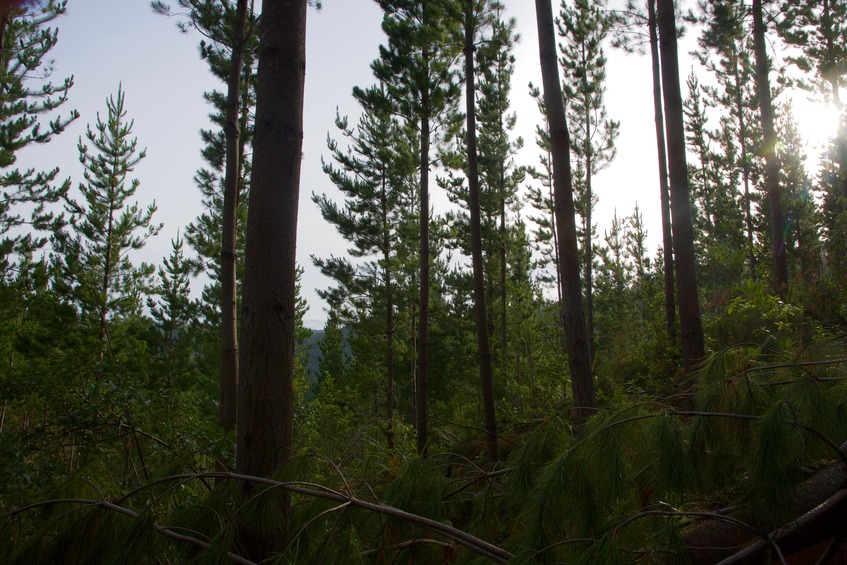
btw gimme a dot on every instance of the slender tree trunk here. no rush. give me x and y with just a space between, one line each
691 330
579 360
555 229
664 191
745 170
389 363
422 388
232 175
504 335
4 22
269 310
389 323
763 89
589 252
413 380
474 205
503 268
107 276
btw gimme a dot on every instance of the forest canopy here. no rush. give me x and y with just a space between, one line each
504 375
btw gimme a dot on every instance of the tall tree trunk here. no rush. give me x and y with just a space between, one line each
389 322
572 312
422 388
504 336
763 89
413 380
589 252
389 365
232 175
268 315
691 330
474 205
664 191
503 268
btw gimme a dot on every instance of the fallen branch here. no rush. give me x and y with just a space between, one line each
808 519
716 540
496 554
404 545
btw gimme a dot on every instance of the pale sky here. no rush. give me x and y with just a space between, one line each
104 43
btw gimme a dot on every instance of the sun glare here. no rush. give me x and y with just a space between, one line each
817 122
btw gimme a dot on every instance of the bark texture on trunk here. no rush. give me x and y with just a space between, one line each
582 383
819 506
268 314
763 89
482 340
664 190
232 176
4 22
691 330
504 320
422 377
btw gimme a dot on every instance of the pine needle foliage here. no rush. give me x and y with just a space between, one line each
581 491
419 488
776 462
134 541
538 448
673 468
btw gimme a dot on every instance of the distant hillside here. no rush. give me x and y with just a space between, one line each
312 345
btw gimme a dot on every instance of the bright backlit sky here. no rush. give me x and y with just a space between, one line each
106 43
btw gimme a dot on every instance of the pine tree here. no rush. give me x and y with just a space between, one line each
500 178
698 141
332 363
582 28
416 68
636 248
714 181
231 54
27 98
267 359
471 15
630 37
768 148
818 30
541 199
374 176
174 311
724 52
582 382
691 330
93 258
803 215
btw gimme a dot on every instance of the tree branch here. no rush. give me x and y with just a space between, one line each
807 520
